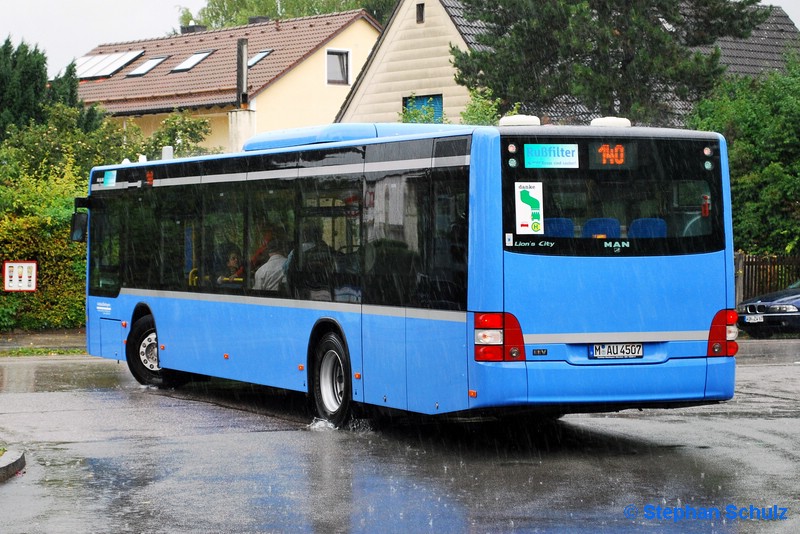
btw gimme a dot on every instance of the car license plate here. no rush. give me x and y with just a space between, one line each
617 350
754 318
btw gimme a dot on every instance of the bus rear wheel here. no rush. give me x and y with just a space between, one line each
141 352
332 382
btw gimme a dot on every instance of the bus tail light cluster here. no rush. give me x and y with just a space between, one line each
723 334
498 338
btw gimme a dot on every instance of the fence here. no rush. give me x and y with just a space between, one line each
756 275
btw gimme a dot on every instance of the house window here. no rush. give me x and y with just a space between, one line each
428 103
420 13
258 57
192 60
147 66
338 67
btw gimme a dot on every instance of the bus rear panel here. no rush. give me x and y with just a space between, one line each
616 272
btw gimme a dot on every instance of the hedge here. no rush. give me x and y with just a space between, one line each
58 301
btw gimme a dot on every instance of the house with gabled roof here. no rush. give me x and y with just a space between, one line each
298 72
412 58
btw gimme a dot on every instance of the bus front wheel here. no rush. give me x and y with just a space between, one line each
332 382
141 351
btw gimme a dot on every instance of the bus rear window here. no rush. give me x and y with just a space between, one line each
612 196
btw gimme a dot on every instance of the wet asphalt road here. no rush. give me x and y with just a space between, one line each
107 455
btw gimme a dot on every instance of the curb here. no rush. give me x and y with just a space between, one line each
11 463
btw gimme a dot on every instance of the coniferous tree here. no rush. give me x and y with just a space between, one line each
616 57
23 84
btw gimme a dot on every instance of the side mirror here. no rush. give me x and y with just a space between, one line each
80 220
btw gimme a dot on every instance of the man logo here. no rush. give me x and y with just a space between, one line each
617 245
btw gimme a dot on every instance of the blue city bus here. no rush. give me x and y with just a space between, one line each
433 269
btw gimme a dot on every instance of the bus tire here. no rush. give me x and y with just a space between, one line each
332 381
141 352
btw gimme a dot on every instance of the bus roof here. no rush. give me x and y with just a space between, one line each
342 132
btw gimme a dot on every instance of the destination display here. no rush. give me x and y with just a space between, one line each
613 155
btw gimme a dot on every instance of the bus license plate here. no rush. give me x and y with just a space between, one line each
617 350
754 318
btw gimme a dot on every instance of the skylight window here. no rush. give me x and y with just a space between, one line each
104 65
147 66
258 57
192 60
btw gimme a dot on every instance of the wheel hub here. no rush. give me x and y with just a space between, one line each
148 352
332 381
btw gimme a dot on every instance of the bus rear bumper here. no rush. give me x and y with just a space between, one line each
679 381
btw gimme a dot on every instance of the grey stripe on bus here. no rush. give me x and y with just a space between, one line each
340 307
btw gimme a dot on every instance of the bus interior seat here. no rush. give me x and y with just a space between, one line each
310 271
647 227
601 226
559 227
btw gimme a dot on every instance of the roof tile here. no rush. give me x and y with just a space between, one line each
212 82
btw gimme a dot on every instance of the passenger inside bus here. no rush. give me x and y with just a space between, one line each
232 266
260 254
271 276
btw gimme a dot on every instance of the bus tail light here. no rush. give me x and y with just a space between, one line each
723 334
498 338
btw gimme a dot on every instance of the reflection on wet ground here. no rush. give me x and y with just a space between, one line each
105 454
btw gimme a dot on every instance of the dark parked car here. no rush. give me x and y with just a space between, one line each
777 312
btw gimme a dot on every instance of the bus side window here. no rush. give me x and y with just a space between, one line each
444 282
315 263
222 237
270 233
396 236
106 245
179 213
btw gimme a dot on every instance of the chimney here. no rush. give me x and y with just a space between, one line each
193 28
242 98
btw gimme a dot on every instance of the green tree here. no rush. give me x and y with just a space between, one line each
50 143
40 150
43 167
760 118
64 90
34 225
23 85
224 13
182 132
484 109
616 57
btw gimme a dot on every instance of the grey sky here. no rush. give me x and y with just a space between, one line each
67 29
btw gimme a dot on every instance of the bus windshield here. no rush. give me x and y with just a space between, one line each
605 196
